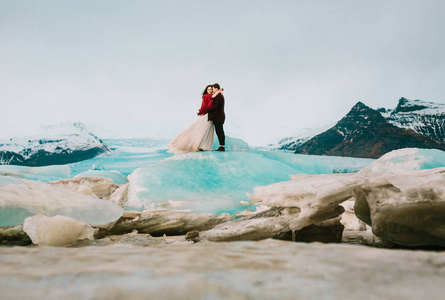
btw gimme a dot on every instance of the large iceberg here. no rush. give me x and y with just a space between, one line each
213 182
21 198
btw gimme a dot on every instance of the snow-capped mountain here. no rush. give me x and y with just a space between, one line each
303 135
427 118
59 144
364 132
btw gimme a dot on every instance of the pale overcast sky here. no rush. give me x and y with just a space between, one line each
137 68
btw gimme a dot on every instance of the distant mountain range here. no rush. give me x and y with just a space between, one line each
427 118
304 135
365 132
56 145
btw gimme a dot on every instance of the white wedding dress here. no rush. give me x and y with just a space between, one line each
196 137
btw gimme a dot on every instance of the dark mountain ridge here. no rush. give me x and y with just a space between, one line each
364 132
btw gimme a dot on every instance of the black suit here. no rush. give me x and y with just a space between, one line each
217 115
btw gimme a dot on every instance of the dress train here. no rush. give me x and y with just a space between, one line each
196 137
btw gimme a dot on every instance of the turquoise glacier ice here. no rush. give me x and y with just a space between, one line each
232 144
214 182
207 182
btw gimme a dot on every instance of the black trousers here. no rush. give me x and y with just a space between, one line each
220 133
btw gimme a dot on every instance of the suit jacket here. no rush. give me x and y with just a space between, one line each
216 114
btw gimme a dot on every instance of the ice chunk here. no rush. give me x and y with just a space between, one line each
169 222
308 191
303 201
57 230
406 209
48 173
99 186
117 177
20 198
213 182
407 159
262 225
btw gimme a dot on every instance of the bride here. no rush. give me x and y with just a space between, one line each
198 136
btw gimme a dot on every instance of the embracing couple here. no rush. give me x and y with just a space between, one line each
198 136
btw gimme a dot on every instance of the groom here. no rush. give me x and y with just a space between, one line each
216 114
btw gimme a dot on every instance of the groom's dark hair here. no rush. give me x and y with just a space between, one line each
216 85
